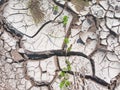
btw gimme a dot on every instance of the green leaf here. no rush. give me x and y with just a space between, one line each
69 48
67 62
62 83
69 67
66 40
62 74
67 83
55 8
65 20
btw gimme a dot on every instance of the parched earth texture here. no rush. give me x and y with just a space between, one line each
32 56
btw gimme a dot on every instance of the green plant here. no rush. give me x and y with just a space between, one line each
65 20
69 48
66 40
55 8
68 65
65 82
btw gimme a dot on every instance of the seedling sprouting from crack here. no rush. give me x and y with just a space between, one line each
36 12
64 76
55 10
65 20
66 41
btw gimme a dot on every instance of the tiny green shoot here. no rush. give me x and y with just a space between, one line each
62 84
65 20
69 48
65 82
55 8
66 40
68 65
62 74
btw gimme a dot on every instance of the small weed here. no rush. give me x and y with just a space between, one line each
64 83
55 10
66 40
69 48
64 76
65 20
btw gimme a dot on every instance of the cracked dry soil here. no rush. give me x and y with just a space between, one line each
33 55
